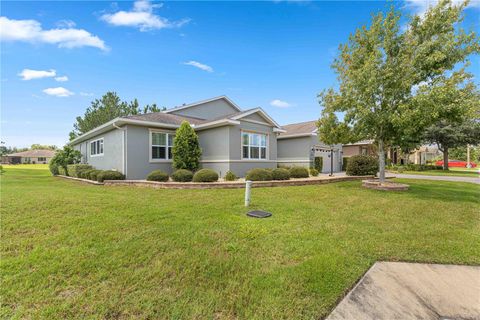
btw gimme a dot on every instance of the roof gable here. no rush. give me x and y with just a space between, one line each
207 109
258 112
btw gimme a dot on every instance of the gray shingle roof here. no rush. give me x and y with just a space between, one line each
299 128
166 118
33 154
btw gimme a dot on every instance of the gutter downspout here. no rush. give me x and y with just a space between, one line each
124 149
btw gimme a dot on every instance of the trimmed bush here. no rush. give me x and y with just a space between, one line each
344 164
313 172
109 175
205 175
186 148
360 165
157 175
93 174
62 171
280 174
259 174
74 170
53 167
299 172
182 175
318 164
230 176
85 174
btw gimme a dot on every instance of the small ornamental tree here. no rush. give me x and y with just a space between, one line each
186 148
64 157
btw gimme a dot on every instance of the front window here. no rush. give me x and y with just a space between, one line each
254 145
161 145
42 159
96 147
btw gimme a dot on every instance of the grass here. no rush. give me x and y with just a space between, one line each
72 250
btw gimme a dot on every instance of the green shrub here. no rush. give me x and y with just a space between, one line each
53 167
157 175
299 172
109 175
74 170
205 175
62 171
85 174
93 174
400 170
344 164
182 175
280 174
186 148
230 176
318 164
259 174
283 166
313 172
1 169
360 165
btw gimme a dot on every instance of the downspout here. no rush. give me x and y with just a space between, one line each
124 149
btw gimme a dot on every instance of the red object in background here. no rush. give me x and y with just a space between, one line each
456 163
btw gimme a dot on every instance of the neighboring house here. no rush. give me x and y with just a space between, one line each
230 138
30 156
299 146
363 147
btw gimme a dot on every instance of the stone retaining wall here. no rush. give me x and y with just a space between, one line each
230 184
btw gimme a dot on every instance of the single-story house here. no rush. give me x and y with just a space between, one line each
230 139
299 145
363 147
29 156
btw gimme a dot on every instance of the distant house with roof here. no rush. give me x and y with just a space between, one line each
29 156
230 138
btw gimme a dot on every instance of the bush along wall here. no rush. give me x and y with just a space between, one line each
344 164
259 174
157 175
109 175
205 175
360 165
75 170
318 164
299 172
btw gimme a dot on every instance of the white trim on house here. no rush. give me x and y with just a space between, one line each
238 161
260 147
257 110
101 142
293 160
297 135
233 104
216 123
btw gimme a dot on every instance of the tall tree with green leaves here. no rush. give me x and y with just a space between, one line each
386 76
109 107
186 148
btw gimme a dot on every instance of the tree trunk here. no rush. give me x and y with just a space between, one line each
445 158
381 161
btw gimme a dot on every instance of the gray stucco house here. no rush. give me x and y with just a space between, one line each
230 138
299 145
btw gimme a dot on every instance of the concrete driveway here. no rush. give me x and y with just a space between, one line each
398 290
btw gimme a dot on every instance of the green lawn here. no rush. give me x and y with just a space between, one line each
72 250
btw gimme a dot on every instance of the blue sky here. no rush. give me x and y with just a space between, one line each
56 57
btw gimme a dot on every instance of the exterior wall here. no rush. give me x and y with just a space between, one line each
209 110
300 152
349 151
254 117
112 158
34 160
138 161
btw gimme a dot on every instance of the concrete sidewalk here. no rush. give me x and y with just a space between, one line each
438 178
398 290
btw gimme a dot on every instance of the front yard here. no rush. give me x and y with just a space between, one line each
71 250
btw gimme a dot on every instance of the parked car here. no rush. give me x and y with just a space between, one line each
456 163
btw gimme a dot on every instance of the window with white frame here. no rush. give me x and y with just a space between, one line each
161 144
96 147
42 159
254 145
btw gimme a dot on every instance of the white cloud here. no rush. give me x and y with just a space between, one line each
86 94
280 104
31 31
29 74
66 24
58 92
141 17
421 6
199 65
61 79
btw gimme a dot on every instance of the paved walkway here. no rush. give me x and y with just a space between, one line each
438 178
398 290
